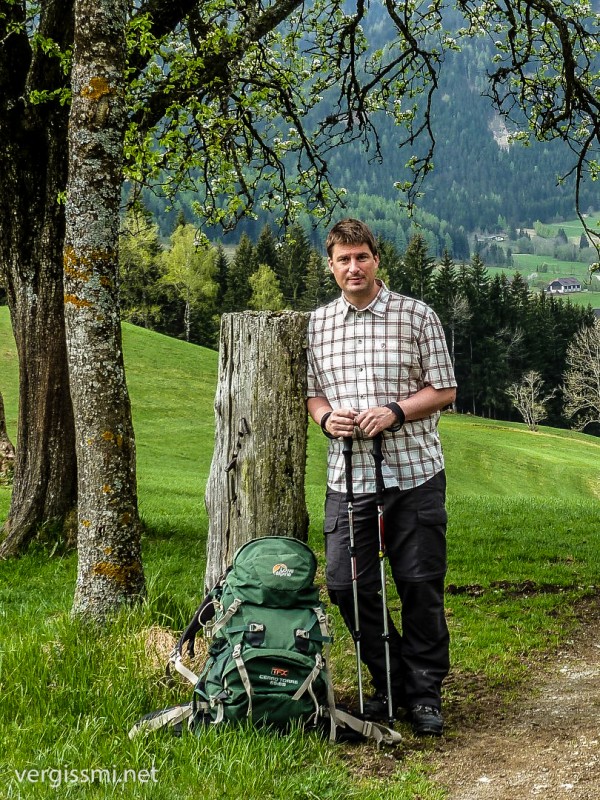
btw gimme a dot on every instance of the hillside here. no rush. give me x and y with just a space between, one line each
172 387
522 572
479 181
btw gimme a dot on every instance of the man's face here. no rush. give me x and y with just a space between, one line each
354 268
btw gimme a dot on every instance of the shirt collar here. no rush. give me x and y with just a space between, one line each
377 305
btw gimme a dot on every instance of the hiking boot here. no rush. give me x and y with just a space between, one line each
427 721
375 708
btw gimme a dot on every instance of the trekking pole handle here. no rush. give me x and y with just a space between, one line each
378 459
347 450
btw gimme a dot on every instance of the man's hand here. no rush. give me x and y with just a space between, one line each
375 420
341 422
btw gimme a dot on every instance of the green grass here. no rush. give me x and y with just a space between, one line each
527 263
584 298
9 371
523 552
173 386
530 262
486 457
573 227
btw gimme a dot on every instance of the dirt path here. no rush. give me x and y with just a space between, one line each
545 746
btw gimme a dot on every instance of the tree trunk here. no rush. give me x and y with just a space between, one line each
7 451
109 530
45 473
33 171
256 482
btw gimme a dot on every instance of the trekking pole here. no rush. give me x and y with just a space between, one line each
347 450
379 489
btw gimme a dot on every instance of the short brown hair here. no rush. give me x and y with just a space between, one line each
350 231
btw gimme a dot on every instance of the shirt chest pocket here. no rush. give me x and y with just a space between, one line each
395 360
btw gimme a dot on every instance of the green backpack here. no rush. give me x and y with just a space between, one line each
268 656
268 659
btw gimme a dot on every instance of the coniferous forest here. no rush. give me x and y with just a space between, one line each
497 329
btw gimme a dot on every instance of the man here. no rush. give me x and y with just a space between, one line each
379 364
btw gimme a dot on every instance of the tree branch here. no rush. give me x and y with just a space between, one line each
217 69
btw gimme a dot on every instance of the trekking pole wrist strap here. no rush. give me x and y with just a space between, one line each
395 409
324 419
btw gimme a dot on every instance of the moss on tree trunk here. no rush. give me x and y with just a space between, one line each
108 537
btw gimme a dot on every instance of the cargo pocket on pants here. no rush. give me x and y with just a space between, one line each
337 571
431 532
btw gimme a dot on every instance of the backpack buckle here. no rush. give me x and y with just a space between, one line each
255 635
302 640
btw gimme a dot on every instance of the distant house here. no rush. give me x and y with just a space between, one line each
563 286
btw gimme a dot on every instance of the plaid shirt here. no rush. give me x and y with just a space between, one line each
369 357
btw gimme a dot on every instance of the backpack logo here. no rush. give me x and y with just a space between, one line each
279 672
281 571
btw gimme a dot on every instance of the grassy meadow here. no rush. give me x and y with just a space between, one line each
573 227
547 268
523 555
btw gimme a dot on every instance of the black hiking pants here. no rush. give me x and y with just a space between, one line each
415 537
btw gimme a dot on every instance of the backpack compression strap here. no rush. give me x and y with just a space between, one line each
310 679
175 659
370 730
243 672
324 625
212 627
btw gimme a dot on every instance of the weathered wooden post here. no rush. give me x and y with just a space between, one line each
256 482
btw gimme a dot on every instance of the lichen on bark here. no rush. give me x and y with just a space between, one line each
110 571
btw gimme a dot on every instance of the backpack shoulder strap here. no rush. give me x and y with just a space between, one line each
176 660
160 719
202 617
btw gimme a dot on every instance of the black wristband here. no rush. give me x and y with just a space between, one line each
324 419
395 408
